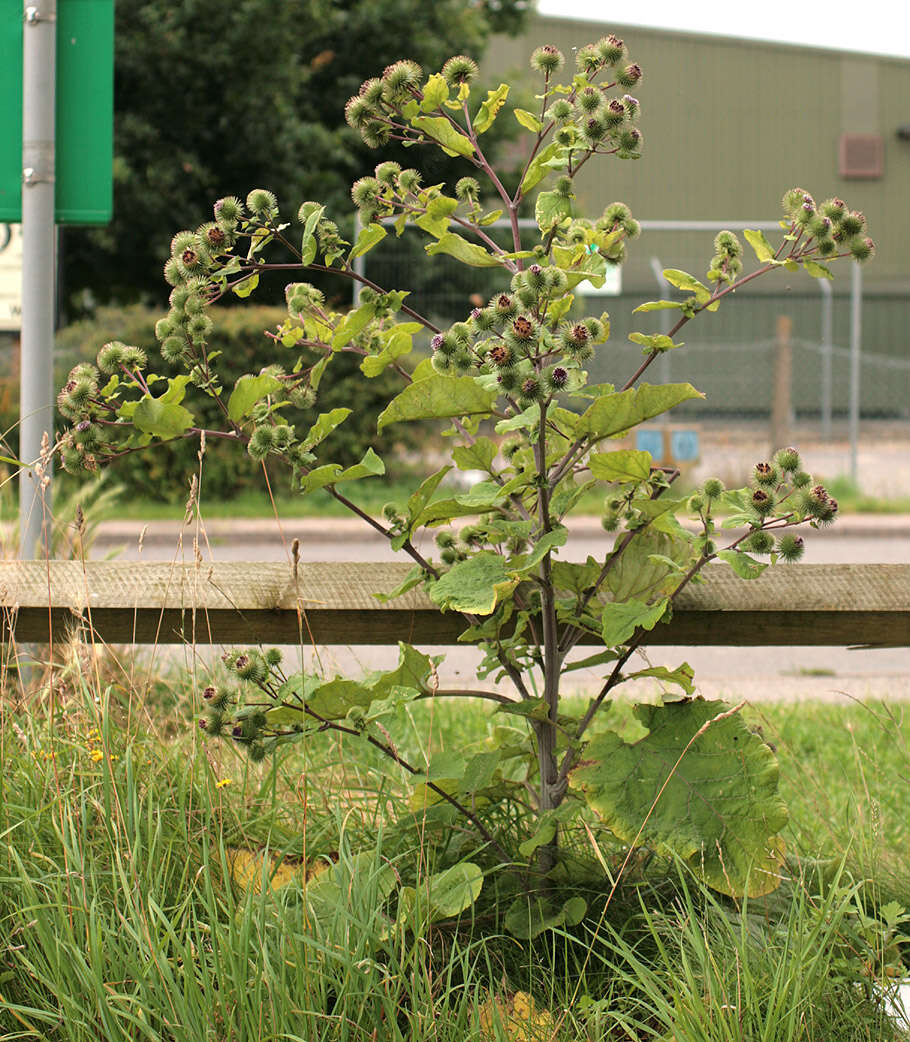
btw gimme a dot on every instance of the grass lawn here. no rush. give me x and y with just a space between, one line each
126 911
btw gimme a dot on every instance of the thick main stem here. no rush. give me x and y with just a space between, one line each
550 794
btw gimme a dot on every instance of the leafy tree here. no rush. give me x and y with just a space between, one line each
213 97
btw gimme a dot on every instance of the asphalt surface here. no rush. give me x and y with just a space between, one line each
758 674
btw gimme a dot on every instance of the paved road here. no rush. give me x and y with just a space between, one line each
754 673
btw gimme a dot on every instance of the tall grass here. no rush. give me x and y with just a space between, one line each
121 919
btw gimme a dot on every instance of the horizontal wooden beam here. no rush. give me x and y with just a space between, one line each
122 602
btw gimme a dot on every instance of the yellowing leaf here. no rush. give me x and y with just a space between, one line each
528 120
490 108
517 1017
445 133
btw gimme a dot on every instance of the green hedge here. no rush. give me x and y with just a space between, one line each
163 472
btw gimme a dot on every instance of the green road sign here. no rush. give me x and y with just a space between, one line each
85 108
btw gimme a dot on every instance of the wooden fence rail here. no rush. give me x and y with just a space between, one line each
323 603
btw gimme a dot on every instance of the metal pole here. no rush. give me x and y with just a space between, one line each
826 344
39 54
856 336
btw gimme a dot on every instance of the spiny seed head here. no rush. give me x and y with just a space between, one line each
793 200
791 547
261 202
409 181
467 189
765 474
557 378
629 76
387 173
215 236
484 319
610 49
728 244
614 113
358 112
530 389
630 139
261 442
172 349
760 543
587 59
400 80
110 357
861 249
508 380
228 210
460 69
762 501
820 226
787 459
444 539
173 276
804 214
547 59
182 241
366 191
713 488
632 106
556 281
500 356
852 223
504 305
589 99
801 479
834 209
560 111
594 129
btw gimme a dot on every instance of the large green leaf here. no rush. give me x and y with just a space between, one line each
464 251
528 917
161 418
539 168
323 427
640 574
622 465
683 280
718 808
398 342
442 895
248 391
333 473
474 585
477 456
438 397
369 237
620 619
551 208
352 324
617 412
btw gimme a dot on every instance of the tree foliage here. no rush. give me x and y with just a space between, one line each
211 98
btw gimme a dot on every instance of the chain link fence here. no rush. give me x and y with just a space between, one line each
729 354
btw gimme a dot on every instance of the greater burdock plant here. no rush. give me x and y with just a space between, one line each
676 774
